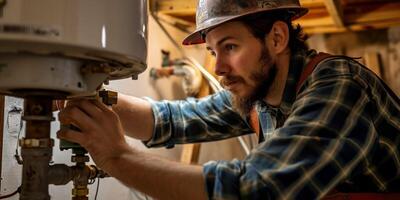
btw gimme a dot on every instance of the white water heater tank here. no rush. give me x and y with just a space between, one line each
71 46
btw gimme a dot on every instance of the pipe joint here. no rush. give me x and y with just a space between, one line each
36 143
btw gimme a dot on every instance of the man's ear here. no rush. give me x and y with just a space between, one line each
278 38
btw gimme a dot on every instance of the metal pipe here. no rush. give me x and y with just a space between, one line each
80 174
36 148
60 174
80 190
36 151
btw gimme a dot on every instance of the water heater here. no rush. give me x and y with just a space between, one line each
70 46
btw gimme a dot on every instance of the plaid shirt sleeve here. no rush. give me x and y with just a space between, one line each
327 135
192 120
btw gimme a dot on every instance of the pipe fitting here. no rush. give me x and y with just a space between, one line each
36 143
60 174
80 192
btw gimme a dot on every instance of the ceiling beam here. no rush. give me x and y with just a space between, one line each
335 9
311 3
352 27
325 16
176 7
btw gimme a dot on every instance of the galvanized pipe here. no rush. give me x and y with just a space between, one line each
60 174
36 148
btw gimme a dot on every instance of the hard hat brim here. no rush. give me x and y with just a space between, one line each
197 38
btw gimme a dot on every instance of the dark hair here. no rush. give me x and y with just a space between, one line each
261 24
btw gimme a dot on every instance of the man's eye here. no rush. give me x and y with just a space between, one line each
230 47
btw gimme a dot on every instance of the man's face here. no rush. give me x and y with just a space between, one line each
244 63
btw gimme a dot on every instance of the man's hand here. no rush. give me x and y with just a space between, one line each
101 131
102 135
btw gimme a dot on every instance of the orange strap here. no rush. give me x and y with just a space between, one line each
254 121
310 68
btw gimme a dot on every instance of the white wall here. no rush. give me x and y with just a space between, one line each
11 171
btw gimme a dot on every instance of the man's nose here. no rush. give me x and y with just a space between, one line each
221 67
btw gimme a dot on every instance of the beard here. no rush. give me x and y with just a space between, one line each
263 76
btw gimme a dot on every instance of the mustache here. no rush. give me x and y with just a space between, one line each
226 80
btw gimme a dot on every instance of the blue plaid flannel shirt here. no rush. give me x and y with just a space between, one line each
341 131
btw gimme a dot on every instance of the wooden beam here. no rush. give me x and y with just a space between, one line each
353 27
371 60
312 3
373 12
176 7
325 16
347 2
189 6
358 18
335 9
314 22
190 153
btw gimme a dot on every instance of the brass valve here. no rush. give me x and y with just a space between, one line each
82 191
108 97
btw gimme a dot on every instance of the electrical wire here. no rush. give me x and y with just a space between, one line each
17 156
12 194
215 85
97 188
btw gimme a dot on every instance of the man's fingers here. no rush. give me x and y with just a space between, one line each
74 115
60 104
72 136
86 106
101 106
